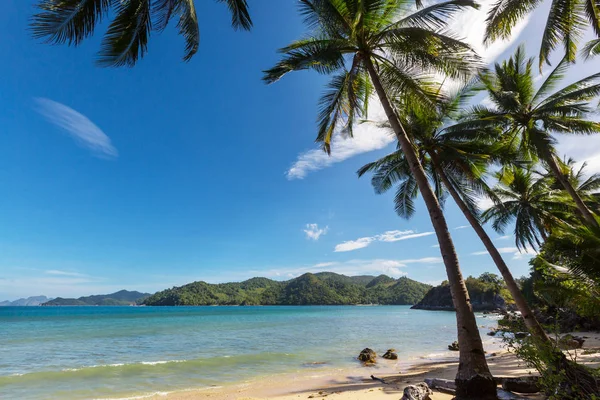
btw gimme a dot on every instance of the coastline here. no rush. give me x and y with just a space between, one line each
356 384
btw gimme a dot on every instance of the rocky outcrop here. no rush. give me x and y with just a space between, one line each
420 391
439 298
390 354
368 356
453 346
570 342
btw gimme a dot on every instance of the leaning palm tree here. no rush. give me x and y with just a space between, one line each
531 117
567 21
456 161
71 21
377 44
527 200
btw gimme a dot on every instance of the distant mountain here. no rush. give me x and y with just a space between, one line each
120 298
323 288
30 301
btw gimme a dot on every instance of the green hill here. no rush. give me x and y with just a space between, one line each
487 293
323 288
120 298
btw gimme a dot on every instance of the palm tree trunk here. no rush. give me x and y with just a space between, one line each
473 379
531 322
583 209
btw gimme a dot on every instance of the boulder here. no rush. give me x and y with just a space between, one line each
390 354
521 385
453 346
570 342
368 356
420 391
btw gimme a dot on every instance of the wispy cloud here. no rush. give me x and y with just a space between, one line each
367 137
517 254
505 237
461 227
78 126
350 267
314 232
64 273
389 236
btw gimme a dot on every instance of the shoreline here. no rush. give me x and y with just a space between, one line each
355 383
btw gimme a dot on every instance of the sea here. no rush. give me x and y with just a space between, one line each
135 352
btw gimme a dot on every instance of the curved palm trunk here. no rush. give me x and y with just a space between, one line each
473 379
583 209
531 322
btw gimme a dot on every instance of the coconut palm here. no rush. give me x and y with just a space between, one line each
531 117
566 23
587 187
71 21
378 44
527 199
455 161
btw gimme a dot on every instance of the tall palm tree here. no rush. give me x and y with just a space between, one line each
566 23
71 21
527 200
531 117
376 44
455 160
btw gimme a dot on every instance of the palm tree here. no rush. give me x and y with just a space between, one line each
455 160
368 44
567 21
530 117
527 199
587 187
71 21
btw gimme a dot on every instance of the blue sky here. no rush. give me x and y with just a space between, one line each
170 172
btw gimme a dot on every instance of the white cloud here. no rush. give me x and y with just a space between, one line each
78 126
437 246
517 254
461 227
353 244
367 137
389 236
351 267
314 232
505 237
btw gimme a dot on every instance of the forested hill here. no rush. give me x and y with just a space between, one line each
324 288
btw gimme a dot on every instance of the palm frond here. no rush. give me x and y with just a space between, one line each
67 21
504 15
552 80
127 37
240 16
591 49
188 27
435 16
319 54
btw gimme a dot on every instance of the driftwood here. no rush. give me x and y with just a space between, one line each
522 385
448 386
420 391
442 385
378 379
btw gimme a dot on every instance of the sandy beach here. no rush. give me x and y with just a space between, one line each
356 384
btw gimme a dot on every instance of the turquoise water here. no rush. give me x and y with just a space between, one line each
118 352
